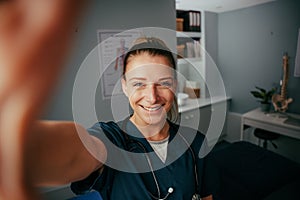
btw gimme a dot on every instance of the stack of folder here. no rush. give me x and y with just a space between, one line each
191 20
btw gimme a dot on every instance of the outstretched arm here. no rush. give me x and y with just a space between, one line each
60 152
35 36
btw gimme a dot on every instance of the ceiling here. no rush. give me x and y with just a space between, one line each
217 5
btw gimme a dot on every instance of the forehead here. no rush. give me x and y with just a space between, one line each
144 61
145 58
149 67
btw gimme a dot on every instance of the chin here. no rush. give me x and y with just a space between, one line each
150 120
155 120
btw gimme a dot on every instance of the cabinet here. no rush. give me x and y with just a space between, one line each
200 114
196 67
193 117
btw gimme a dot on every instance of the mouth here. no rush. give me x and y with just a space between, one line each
152 108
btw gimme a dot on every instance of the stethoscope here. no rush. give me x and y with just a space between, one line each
196 196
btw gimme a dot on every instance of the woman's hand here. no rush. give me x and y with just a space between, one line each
34 39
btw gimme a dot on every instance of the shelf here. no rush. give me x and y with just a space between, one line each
188 34
189 60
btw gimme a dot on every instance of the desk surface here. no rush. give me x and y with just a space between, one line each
282 123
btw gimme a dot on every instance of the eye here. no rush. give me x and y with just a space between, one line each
166 84
138 84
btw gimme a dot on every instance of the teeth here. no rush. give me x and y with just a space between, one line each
153 109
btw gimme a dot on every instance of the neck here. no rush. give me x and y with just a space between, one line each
154 132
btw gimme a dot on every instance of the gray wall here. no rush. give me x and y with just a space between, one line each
251 44
101 14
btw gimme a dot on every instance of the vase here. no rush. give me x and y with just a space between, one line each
265 107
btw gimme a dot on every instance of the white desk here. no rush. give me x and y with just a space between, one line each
285 124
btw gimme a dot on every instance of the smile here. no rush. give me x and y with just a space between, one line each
151 109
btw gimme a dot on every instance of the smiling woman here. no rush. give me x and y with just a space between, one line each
171 168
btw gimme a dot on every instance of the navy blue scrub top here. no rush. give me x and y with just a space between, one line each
114 184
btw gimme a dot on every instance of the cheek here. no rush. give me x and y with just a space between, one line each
168 96
134 96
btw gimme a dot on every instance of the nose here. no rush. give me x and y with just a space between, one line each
151 93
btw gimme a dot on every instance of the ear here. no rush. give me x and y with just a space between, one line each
124 87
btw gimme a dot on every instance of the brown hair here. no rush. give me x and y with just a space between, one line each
154 47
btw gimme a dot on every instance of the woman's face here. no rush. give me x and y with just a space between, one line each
150 86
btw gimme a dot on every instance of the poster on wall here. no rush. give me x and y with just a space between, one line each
113 45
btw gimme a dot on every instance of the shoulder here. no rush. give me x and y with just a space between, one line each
108 132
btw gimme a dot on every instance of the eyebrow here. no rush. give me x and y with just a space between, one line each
166 78
137 78
143 79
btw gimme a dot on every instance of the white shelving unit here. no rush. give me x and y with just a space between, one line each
192 68
197 69
201 69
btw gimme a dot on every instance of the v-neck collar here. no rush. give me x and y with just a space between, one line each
134 133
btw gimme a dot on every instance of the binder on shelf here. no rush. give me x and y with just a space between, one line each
191 20
198 22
